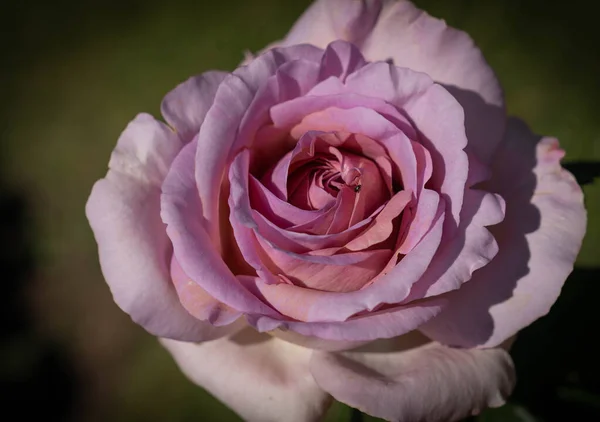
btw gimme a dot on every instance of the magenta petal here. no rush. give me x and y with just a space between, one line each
181 211
262 378
538 243
124 212
428 383
185 107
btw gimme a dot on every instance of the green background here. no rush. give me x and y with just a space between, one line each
74 73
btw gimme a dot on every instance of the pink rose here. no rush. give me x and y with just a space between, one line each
357 182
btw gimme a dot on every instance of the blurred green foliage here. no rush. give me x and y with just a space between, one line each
75 73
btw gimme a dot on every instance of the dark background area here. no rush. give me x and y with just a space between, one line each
73 73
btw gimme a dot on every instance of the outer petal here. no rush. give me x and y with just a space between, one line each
431 383
124 212
185 107
538 241
329 20
413 39
259 376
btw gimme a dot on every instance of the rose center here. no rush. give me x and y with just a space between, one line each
316 182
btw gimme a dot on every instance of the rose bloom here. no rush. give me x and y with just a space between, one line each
349 214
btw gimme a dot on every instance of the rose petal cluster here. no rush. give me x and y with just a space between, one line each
355 182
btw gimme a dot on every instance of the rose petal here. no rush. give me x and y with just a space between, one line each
259 376
124 213
277 211
340 60
459 257
222 122
199 303
445 140
181 211
538 241
414 39
317 306
371 124
427 383
316 343
387 323
444 136
329 20
343 272
185 107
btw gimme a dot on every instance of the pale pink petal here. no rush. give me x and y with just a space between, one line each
316 343
396 85
329 20
430 383
538 241
145 150
124 213
262 378
411 38
185 107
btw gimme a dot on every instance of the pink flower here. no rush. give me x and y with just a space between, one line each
358 181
